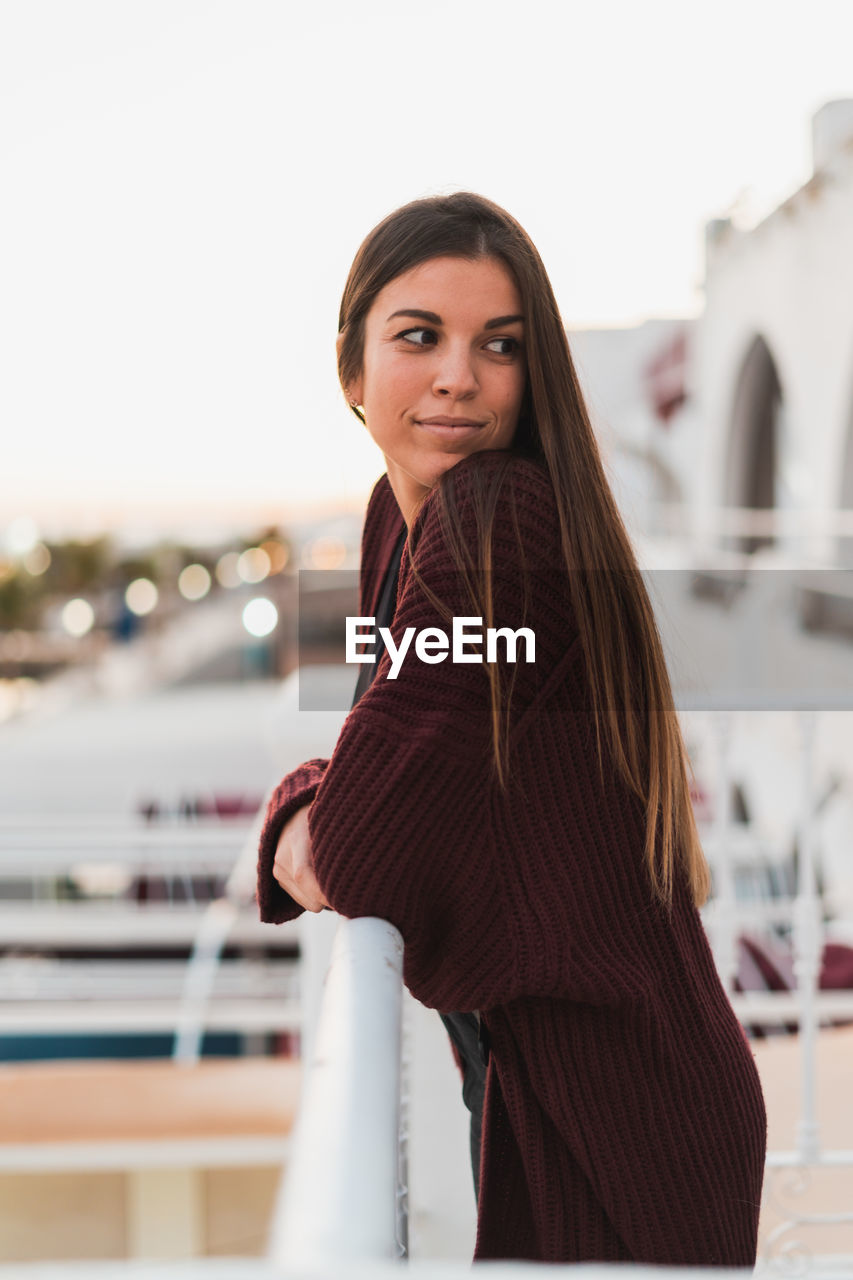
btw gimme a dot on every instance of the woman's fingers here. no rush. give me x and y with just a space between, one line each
292 867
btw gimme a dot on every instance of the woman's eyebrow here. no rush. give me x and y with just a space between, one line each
431 316
418 315
499 321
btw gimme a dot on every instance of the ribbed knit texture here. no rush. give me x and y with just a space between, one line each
624 1118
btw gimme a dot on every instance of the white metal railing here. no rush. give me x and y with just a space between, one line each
112 923
101 858
684 521
108 853
340 1201
805 1006
264 1269
43 978
205 962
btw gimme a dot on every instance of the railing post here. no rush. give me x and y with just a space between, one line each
402 1203
725 948
199 978
208 944
807 945
339 1199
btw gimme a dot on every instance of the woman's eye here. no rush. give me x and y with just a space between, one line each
419 337
503 346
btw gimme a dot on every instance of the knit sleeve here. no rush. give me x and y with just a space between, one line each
382 526
402 823
293 792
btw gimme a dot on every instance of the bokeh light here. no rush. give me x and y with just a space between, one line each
102 879
141 596
326 553
21 535
194 582
78 617
253 565
37 560
260 616
226 570
17 695
278 553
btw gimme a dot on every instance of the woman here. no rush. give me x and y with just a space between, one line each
525 825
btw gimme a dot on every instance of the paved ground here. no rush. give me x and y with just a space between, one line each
823 1191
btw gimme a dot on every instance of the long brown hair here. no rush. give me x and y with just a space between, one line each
633 709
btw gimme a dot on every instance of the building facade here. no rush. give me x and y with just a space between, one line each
773 358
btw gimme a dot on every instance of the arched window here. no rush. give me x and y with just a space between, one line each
753 454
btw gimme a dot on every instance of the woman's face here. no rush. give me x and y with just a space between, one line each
443 370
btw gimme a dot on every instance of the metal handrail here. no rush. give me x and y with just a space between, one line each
339 1200
789 522
208 945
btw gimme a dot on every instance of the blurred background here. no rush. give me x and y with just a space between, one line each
185 185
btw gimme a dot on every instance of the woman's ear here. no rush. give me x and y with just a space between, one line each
353 390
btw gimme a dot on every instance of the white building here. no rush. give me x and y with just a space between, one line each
774 351
749 405
637 386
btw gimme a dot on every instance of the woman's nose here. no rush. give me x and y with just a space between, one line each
455 374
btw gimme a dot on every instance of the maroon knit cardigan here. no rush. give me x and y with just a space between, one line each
624 1118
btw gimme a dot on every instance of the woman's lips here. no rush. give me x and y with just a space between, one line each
451 428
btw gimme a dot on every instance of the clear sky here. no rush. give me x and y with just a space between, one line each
186 182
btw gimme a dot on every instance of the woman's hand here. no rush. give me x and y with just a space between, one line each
292 866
